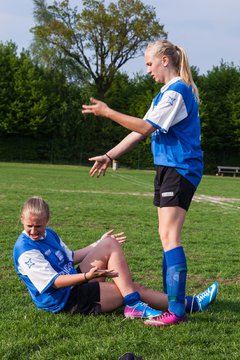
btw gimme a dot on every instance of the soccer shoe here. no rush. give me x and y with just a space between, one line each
205 298
140 310
167 318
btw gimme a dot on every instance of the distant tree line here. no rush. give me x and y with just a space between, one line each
42 90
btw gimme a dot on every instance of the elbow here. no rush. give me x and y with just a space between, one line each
147 129
57 284
146 132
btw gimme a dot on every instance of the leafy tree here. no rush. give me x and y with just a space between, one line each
220 115
35 100
220 93
8 66
29 108
233 99
99 40
23 100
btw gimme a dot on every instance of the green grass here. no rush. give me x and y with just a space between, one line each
83 208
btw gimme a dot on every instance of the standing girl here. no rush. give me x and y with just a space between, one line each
173 120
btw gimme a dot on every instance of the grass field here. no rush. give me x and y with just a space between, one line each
83 208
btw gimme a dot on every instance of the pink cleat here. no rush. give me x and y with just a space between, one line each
167 318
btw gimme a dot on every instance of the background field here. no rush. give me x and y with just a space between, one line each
83 208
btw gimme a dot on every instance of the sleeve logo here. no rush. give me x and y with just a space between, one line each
170 100
29 263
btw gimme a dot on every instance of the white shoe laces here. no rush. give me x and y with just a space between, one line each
200 297
203 295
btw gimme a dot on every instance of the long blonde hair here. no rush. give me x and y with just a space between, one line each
178 58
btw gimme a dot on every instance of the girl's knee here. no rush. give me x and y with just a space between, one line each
109 242
164 236
169 240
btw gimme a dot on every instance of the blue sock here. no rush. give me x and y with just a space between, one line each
190 305
164 273
176 280
132 298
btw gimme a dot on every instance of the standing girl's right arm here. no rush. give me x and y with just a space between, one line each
102 162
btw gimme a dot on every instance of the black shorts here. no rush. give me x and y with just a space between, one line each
172 189
84 299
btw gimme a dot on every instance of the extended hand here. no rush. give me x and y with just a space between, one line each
94 273
100 165
119 237
97 107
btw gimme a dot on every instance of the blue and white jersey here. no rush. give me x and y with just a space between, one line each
176 142
39 263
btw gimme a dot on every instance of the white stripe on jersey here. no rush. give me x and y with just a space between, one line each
34 265
68 252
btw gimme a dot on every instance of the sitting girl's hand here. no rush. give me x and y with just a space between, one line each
119 237
94 273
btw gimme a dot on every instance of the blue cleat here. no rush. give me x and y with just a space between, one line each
140 310
205 298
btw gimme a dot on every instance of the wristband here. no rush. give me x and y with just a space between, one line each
109 157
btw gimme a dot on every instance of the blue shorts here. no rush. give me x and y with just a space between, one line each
172 189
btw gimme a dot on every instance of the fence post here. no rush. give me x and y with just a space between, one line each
114 165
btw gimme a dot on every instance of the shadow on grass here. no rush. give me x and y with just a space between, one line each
227 305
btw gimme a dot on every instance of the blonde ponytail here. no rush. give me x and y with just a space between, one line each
185 71
178 58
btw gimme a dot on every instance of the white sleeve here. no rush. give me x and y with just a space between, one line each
169 111
34 265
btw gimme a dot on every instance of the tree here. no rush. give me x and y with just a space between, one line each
220 94
30 106
99 40
8 66
220 114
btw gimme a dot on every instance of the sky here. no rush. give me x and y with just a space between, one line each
208 30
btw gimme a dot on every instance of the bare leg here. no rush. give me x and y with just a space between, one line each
110 297
171 221
155 299
108 254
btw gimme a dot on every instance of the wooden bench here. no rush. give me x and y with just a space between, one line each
234 170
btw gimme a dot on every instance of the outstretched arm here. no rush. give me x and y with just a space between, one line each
75 279
132 123
102 162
